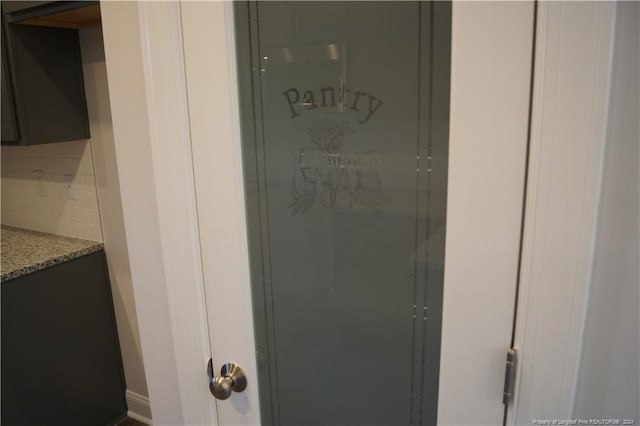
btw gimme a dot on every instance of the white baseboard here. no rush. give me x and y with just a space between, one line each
139 407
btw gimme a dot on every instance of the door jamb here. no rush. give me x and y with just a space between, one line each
574 47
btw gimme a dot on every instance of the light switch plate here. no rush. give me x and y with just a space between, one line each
71 187
41 186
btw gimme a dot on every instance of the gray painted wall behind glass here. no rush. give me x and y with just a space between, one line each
609 375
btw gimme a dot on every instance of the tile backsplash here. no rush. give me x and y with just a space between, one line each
51 188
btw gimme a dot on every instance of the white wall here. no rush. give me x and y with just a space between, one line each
108 192
44 205
609 379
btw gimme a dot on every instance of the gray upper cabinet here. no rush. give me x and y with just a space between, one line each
9 124
13 6
43 99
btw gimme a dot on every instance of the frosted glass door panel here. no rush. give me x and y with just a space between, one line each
345 138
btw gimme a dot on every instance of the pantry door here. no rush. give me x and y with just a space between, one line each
359 171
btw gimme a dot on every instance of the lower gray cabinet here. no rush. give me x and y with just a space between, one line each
61 360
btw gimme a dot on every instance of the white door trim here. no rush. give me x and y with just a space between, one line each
574 49
161 29
159 170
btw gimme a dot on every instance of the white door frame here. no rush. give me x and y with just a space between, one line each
145 68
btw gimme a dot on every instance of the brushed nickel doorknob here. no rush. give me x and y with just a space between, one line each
231 378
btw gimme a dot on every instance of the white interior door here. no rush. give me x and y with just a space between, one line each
359 172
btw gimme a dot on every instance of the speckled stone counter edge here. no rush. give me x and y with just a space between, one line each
49 250
50 262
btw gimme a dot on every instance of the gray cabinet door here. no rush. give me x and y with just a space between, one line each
61 360
42 74
9 125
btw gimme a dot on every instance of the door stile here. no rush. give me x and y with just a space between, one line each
214 115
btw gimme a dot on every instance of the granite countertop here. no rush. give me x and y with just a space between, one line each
25 251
